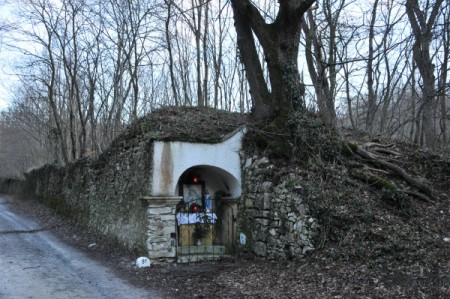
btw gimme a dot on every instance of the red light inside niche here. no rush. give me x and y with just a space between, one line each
195 180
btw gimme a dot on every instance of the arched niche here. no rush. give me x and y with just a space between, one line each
211 178
219 163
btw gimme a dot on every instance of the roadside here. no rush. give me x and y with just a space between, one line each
35 264
349 270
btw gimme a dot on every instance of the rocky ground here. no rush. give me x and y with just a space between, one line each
372 244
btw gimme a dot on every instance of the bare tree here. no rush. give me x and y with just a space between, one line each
443 84
49 17
422 20
23 135
322 53
371 100
173 82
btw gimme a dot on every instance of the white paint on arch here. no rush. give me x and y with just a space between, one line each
171 159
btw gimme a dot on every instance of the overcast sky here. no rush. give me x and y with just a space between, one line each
7 57
7 79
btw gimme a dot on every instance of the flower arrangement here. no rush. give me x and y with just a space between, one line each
202 227
200 230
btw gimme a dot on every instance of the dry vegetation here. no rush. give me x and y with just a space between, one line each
184 124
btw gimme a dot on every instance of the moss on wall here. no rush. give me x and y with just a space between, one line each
101 195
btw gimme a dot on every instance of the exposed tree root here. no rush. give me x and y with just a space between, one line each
375 144
367 177
375 160
382 148
418 195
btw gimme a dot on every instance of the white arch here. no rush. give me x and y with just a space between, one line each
216 179
171 159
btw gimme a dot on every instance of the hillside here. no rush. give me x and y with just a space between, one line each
383 207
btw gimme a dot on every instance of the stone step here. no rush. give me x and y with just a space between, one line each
190 254
201 249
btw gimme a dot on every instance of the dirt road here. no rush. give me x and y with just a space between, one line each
34 264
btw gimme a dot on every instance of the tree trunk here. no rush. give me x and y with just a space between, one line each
280 43
169 50
323 77
371 109
205 55
423 34
443 78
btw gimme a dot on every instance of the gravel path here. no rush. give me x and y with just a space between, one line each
34 264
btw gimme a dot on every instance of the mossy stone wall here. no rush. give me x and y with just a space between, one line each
101 195
272 213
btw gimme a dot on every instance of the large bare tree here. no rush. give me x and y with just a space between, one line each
280 43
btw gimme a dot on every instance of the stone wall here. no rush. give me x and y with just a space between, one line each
272 215
10 185
161 228
101 194
108 196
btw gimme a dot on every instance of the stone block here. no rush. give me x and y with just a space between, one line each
168 253
248 202
259 235
301 209
248 163
260 249
164 231
267 201
262 221
298 226
265 186
168 218
159 210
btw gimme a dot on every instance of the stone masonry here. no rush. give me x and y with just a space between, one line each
161 228
111 195
273 216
